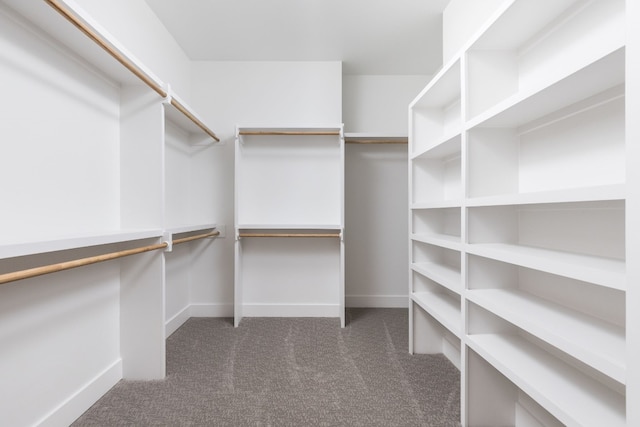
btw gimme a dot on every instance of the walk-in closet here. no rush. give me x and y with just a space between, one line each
409 213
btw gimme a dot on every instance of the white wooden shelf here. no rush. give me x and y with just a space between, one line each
446 275
191 228
374 138
600 271
597 343
441 307
447 146
585 194
442 240
568 394
437 204
40 245
525 107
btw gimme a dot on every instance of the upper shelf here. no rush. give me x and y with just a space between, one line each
374 138
103 52
290 131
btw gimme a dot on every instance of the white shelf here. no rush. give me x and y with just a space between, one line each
33 247
441 307
442 240
289 226
568 394
599 344
374 138
445 275
437 204
448 146
586 194
600 271
527 106
191 228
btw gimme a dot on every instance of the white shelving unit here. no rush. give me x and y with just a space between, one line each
518 216
114 122
289 222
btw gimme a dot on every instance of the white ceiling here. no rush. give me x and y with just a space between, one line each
369 36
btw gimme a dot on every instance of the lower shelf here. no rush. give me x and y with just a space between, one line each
441 307
567 393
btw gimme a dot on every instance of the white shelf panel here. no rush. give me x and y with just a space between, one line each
445 275
437 204
441 307
606 272
442 90
33 247
442 240
289 226
587 194
448 146
527 106
373 138
599 344
190 228
571 396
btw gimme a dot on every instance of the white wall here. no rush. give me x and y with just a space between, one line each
255 94
133 23
462 19
376 198
60 176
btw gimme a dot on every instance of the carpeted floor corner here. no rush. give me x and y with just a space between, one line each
290 372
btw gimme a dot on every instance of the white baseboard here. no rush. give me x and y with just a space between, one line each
78 403
211 310
290 310
379 301
176 321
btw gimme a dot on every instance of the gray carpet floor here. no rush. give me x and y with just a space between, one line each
289 372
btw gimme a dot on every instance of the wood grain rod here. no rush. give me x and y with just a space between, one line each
67 265
290 133
192 238
61 266
313 235
127 63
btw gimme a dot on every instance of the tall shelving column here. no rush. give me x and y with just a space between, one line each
543 215
435 203
289 222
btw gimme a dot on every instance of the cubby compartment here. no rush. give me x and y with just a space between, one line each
289 177
584 241
429 335
436 175
532 45
507 360
436 114
438 264
438 226
574 153
591 328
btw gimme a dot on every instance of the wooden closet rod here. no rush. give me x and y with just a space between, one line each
192 238
127 63
292 133
61 266
67 265
289 235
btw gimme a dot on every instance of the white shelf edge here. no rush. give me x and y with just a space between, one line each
568 330
438 78
442 240
34 247
190 228
569 395
444 275
450 138
586 194
442 308
549 90
437 204
596 270
289 227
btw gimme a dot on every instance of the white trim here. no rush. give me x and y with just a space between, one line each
291 310
211 310
78 403
380 301
172 325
